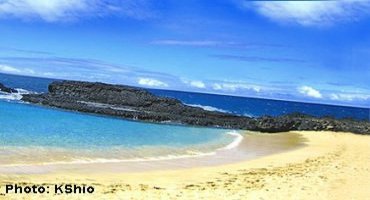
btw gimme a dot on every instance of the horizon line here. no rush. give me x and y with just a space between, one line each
205 92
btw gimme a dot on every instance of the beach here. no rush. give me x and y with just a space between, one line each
188 100
328 166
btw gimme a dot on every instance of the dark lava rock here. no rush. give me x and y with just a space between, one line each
6 89
138 104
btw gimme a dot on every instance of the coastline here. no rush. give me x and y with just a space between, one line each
329 166
246 145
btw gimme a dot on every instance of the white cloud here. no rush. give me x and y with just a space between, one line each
15 70
151 82
64 10
52 10
9 69
197 84
311 13
310 92
29 71
349 97
49 74
233 87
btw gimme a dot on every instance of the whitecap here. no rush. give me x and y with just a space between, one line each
208 108
238 139
14 96
248 115
22 91
10 96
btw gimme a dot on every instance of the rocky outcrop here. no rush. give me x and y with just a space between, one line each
3 88
139 104
130 103
297 121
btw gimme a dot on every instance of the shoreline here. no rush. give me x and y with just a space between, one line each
246 145
122 161
330 166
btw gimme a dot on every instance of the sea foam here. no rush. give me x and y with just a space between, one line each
10 97
238 139
208 108
14 96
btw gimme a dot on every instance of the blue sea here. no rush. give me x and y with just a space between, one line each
254 107
55 135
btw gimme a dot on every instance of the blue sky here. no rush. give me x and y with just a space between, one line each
300 50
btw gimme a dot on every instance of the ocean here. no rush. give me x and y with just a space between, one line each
254 107
31 134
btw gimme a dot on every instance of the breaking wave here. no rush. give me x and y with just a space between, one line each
14 96
208 108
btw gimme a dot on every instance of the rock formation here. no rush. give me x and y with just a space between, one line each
139 104
7 89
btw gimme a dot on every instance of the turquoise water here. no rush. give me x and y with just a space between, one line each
50 135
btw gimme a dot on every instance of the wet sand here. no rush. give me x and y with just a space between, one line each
328 166
251 146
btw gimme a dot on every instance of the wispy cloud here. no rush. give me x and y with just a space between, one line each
79 69
9 69
311 13
65 62
201 43
257 58
349 97
235 87
23 51
194 83
310 92
63 10
151 82
96 70
213 44
16 70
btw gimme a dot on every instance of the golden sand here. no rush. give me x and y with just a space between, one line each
330 166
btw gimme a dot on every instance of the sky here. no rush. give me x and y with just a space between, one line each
311 51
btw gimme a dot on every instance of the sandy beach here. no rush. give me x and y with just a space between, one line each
329 166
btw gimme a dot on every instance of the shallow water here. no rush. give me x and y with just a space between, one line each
253 145
32 134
